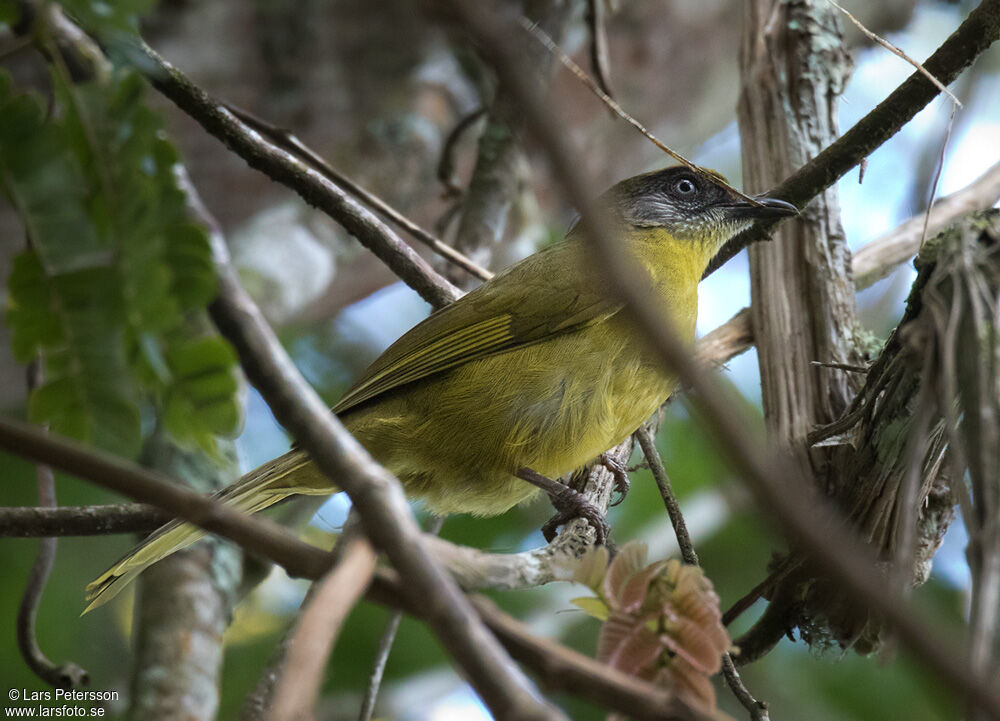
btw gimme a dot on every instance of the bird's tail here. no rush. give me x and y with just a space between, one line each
287 475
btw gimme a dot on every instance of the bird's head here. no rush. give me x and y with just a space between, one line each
689 206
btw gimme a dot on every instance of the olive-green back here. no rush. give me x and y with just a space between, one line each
547 294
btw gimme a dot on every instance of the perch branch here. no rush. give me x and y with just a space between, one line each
375 494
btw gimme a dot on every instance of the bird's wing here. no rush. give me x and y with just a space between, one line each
491 319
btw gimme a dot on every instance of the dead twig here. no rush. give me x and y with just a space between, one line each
446 165
385 644
600 61
67 675
896 51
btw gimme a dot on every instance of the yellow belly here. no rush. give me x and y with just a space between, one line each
456 440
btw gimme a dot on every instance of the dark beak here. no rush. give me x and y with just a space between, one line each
769 209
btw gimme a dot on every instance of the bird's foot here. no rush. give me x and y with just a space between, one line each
620 471
569 504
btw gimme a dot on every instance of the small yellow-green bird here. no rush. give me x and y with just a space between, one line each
536 370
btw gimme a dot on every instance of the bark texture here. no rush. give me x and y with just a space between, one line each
794 67
184 605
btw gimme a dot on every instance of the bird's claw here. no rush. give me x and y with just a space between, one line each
620 473
571 504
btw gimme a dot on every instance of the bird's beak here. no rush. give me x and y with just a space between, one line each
768 209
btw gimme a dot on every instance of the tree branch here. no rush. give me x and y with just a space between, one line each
36 521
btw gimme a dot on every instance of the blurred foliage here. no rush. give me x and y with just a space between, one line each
112 289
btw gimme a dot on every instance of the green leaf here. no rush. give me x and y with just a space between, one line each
202 401
113 293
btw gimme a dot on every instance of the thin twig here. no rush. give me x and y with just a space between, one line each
289 141
617 109
775 481
317 629
67 675
659 472
757 709
446 164
937 175
385 645
600 60
36 522
896 51
849 367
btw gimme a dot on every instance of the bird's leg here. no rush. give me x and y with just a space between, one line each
569 504
620 472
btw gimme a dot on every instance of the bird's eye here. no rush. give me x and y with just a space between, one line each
685 187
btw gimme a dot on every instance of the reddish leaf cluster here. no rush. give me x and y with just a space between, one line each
661 620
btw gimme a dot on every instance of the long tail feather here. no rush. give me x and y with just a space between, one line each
287 475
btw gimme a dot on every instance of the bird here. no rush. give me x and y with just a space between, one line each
528 377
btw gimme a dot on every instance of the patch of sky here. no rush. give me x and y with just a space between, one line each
950 564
